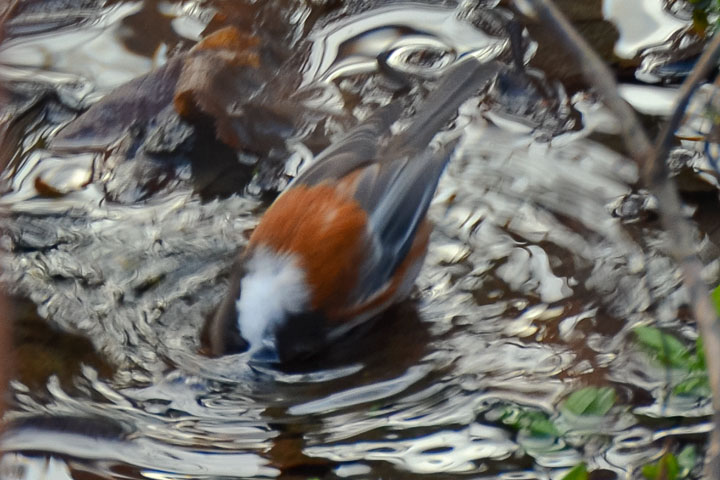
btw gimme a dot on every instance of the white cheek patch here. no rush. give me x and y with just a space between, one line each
273 287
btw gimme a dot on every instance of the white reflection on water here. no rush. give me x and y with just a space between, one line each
443 451
526 265
90 55
16 466
147 455
642 23
648 99
356 396
352 45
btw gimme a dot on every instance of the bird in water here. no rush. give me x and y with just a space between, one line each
347 238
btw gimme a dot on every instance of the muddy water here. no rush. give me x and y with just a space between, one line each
543 259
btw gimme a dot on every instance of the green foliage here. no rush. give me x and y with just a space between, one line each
715 297
579 472
702 10
699 363
666 468
533 422
672 353
687 458
671 467
696 384
669 350
590 401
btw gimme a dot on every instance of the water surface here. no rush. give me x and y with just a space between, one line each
544 258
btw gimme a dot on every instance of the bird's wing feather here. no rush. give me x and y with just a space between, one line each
398 195
359 147
397 181
466 78
397 190
356 149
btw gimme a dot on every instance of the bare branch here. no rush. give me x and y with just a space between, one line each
702 70
654 172
5 14
5 312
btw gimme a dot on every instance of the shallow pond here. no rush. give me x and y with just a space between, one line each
120 227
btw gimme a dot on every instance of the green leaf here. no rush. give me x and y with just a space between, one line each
669 350
544 428
664 469
578 472
700 20
699 361
591 401
540 425
715 297
687 458
511 416
698 385
532 421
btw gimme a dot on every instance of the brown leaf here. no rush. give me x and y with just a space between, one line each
228 38
215 77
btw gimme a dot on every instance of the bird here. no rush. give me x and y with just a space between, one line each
348 236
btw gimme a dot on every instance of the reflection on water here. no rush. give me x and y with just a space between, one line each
642 24
149 458
434 35
540 265
82 60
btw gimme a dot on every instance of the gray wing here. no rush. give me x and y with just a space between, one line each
356 149
397 190
359 147
399 180
466 78
397 195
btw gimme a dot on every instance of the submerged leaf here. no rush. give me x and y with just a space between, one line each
697 385
664 469
700 21
669 350
687 458
591 401
715 297
578 472
699 361
537 423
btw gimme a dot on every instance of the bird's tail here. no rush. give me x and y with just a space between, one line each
459 84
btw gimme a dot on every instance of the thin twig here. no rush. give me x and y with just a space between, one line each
654 172
703 68
6 13
6 362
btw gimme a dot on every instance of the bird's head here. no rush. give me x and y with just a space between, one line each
268 312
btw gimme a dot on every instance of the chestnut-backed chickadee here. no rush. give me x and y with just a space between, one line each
348 237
